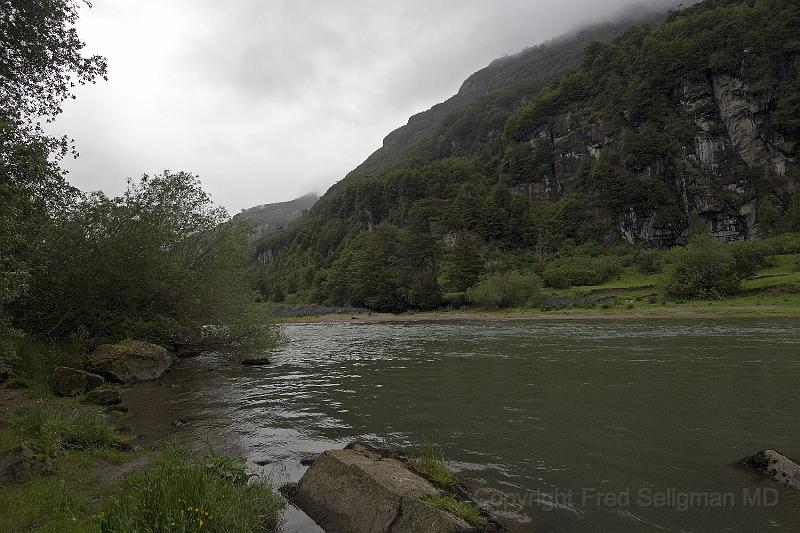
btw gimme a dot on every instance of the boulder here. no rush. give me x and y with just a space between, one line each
776 466
130 361
358 491
66 381
23 461
256 360
105 395
6 372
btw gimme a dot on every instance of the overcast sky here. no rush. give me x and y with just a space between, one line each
270 99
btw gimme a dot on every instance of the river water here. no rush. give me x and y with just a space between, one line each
614 425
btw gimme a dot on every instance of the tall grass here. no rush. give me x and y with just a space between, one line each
428 462
53 429
464 510
181 493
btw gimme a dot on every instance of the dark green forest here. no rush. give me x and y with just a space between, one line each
159 262
564 164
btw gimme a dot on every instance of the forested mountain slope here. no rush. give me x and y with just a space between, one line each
266 218
690 121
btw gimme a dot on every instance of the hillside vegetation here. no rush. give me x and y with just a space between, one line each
561 165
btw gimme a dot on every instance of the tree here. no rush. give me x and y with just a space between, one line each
40 63
704 268
158 262
463 264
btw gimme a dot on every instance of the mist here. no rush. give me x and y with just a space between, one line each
268 101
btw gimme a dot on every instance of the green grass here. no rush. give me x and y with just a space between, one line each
429 463
36 359
53 428
181 493
464 510
64 502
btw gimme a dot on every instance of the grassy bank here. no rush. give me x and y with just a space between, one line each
83 474
774 291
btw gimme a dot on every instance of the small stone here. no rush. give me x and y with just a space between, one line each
255 361
17 384
6 372
116 409
67 381
23 461
105 395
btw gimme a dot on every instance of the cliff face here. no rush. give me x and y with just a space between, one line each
720 174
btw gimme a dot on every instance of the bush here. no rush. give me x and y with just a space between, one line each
749 257
788 243
183 493
500 290
581 270
704 268
648 261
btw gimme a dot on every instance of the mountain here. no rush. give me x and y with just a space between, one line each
632 134
266 218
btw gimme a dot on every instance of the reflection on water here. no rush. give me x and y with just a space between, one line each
592 425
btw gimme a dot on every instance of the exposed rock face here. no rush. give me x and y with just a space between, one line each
714 178
67 381
357 491
130 361
776 466
23 461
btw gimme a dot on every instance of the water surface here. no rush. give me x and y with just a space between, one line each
623 426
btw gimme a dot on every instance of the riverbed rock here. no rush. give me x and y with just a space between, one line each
357 491
67 381
6 372
256 360
130 361
23 461
104 395
776 466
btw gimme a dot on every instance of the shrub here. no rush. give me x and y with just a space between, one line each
788 243
704 268
179 492
499 290
648 261
749 257
581 270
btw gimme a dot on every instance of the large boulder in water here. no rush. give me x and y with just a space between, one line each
777 466
130 361
356 490
66 381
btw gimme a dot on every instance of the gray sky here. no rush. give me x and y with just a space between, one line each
270 99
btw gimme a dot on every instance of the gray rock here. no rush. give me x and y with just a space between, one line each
256 360
66 381
105 395
22 462
355 491
6 372
16 384
776 466
130 361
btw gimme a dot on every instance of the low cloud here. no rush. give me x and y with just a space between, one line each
268 100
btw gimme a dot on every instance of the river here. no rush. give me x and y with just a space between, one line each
612 425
